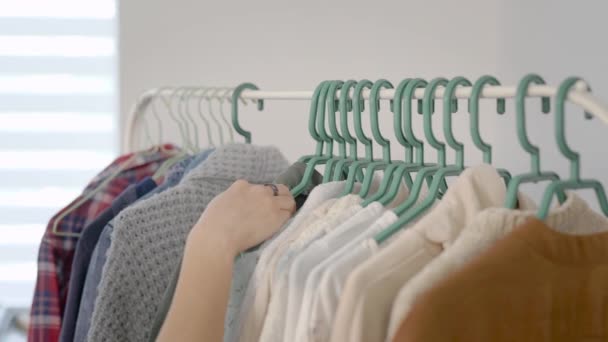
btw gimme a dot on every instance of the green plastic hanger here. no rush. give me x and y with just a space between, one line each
403 171
355 168
395 171
484 147
333 108
406 216
236 94
398 119
312 123
321 110
575 182
332 92
447 119
319 157
345 106
374 100
425 173
535 175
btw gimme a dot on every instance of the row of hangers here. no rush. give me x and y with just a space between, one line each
333 96
184 104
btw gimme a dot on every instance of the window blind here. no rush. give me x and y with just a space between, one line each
58 129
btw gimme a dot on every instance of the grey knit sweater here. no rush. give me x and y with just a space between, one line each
149 238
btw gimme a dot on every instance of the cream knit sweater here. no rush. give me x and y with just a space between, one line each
149 238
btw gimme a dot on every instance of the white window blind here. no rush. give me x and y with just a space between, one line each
58 128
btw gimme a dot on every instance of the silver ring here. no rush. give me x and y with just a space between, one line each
275 189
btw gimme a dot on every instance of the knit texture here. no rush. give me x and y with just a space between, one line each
536 284
149 238
488 227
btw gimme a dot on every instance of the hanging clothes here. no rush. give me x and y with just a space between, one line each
246 262
139 268
330 214
257 296
537 284
84 250
334 274
325 250
56 252
293 176
315 251
489 227
364 309
99 256
340 211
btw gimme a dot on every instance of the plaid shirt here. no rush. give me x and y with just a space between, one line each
57 252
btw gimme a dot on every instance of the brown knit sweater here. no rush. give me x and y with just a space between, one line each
536 284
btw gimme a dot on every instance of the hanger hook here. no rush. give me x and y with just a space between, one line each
333 107
520 98
474 111
178 119
358 107
156 96
408 94
449 106
321 111
560 132
398 119
213 95
180 95
346 105
184 110
312 117
374 100
429 99
204 97
201 98
236 94
575 182
220 99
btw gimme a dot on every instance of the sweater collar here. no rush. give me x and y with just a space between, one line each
256 164
565 248
476 189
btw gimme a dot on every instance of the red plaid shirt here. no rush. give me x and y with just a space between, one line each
57 252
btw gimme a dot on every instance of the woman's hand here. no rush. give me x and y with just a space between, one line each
240 218
244 216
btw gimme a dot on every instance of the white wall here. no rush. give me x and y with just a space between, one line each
281 45
556 39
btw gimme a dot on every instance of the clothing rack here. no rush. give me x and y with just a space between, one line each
362 212
579 96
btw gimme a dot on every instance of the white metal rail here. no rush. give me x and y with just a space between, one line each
579 96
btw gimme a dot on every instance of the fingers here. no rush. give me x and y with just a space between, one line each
283 216
283 201
286 203
282 189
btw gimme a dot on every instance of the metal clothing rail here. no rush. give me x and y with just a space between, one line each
579 96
